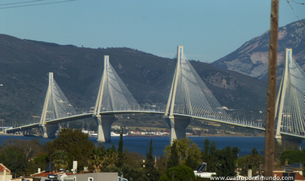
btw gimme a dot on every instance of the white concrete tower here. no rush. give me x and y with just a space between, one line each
104 122
282 94
177 124
48 130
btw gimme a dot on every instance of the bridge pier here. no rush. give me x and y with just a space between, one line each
289 141
279 139
49 130
104 123
177 126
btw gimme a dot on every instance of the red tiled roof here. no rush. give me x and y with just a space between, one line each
45 174
297 175
2 168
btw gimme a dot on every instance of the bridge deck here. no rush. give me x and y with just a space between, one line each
88 115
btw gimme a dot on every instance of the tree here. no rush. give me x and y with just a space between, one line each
95 159
149 164
226 159
28 149
59 158
173 160
185 148
134 174
133 158
150 169
111 157
103 158
213 160
40 161
191 162
14 160
162 164
75 143
209 155
253 160
178 173
293 156
206 149
120 161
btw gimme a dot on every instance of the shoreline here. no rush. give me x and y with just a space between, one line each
218 135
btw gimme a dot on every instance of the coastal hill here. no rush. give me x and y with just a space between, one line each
24 67
252 57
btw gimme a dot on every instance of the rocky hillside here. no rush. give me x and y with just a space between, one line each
252 57
24 67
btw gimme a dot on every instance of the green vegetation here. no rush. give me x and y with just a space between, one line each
253 161
209 155
180 159
15 160
293 156
120 160
60 159
76 145
226 161
179 173
220 161
185 152
18 156
173 160
181 151
150 168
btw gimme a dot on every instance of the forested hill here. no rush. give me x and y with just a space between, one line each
24 67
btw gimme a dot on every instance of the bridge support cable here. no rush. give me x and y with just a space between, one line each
112 96
56 105
189 95
291 100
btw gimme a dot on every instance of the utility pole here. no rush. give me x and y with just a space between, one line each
271 94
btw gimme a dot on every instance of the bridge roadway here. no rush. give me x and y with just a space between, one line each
89 115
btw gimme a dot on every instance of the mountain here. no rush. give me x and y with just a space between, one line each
252 57
24 67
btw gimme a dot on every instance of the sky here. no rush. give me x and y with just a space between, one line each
208 30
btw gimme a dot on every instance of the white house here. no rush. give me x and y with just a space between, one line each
5 173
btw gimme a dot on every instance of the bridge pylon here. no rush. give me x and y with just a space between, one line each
281 95
48 130
113 96
56 105
104 122
290 103
177 124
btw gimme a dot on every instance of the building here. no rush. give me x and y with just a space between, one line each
5 173
62 176
295 176
102 176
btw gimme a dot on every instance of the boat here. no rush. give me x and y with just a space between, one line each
116 134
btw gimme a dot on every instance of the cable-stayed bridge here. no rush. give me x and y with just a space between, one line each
290 104
189 98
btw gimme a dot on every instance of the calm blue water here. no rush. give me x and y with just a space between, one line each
141 144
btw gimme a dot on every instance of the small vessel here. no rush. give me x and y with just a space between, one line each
116 134
93 135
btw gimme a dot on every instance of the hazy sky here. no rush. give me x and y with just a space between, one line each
208 30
